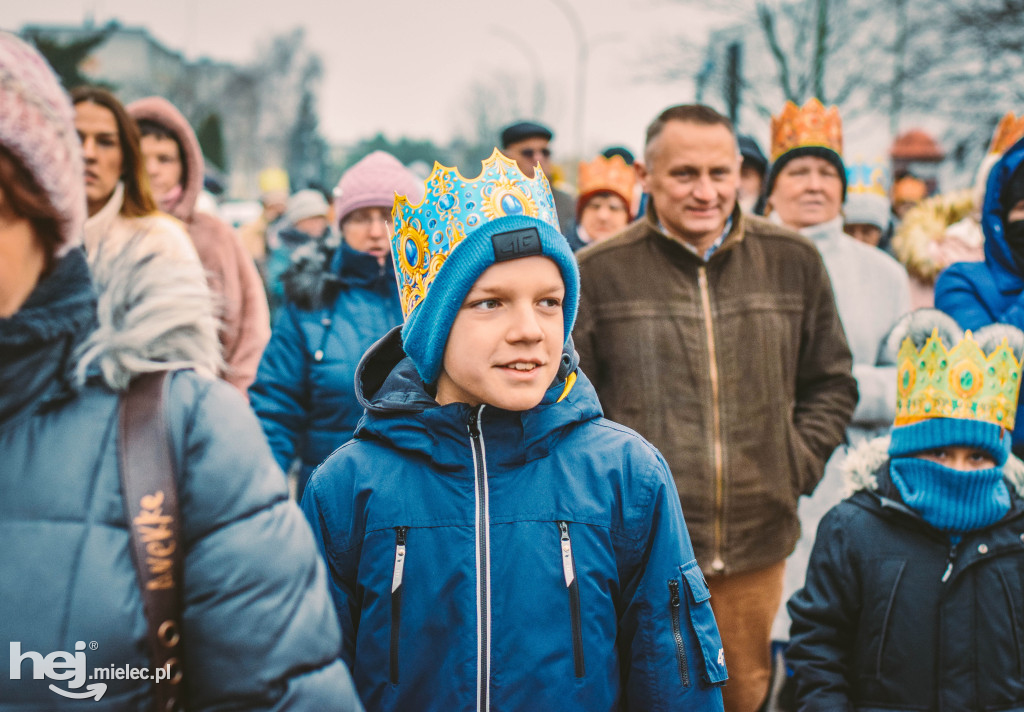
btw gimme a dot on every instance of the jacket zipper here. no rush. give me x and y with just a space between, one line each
573 586
705 299
684 671
396 598
949 563
483 563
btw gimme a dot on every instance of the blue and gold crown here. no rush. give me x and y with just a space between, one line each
868 177
961 383
452 207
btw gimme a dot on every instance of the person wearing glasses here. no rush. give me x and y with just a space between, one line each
529 143
340 298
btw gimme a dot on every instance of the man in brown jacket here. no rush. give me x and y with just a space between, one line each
175 166
715 335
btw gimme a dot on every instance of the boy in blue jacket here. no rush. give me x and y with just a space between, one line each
492 541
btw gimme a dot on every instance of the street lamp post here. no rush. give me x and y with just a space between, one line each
582 54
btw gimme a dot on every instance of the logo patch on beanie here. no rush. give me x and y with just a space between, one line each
514 244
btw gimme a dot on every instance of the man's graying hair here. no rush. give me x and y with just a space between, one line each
692 113
918 326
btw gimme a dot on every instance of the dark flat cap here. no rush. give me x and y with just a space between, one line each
752 152
620 151
522 130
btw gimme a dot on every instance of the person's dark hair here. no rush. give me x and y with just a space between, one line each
693 113
138 199
23 197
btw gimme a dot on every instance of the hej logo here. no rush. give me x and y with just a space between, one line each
61 666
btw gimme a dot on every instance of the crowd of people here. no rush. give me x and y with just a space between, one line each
718 429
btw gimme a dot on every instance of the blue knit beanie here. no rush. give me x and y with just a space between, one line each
934 433
443 245
425 333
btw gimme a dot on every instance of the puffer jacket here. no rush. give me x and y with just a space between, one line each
258 628
485 559
230 271
894 616
340 302
980 293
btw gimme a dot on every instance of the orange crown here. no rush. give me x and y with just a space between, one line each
1009 131
610 174
810 125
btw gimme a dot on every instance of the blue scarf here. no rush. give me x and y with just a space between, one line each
951 500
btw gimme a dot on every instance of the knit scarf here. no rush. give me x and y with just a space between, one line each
948 499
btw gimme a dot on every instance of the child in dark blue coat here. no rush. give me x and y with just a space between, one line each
914 597
492 541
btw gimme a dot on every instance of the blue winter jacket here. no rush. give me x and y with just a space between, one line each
980 293
485 559
340 302
258 629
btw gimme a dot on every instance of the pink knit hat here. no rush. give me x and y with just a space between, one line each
373 182
37 125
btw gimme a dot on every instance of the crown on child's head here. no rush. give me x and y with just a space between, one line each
607 174
1009 131
806 126
868 177
960 383
453 207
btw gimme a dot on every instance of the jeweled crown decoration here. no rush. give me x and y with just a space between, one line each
607 174
960 383
809 125
1009 131
452 207
868 177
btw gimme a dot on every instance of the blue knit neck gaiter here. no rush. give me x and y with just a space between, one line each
951 500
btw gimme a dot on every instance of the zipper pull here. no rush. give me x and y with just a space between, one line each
949 567
567 568
396 579
474 421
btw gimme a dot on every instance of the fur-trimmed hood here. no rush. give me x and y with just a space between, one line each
323 267
862 463
154 313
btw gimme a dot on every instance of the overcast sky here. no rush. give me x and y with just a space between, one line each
403 67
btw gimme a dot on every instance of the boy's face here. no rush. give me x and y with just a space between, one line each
960 458
163 164
505 345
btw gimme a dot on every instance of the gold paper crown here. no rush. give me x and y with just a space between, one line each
811 125
962 383
610 174
1009 131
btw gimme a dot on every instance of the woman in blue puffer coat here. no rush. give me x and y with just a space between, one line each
258 628
980 293
340 299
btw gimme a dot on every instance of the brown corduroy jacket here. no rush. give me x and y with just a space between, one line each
737 369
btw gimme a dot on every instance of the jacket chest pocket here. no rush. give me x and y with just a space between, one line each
692 590
572 586
396 602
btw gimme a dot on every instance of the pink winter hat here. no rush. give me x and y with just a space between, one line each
373 182
37 126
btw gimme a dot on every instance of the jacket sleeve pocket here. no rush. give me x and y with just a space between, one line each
702 621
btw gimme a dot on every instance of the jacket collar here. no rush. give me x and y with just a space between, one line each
401 410
734 237
998 257
40 338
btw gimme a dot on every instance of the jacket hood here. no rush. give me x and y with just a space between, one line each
863 463
401 411
998 257
163 112
154 313
320 269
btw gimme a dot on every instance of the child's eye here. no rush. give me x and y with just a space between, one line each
485 304
551 302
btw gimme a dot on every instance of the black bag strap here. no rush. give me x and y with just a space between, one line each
150 493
